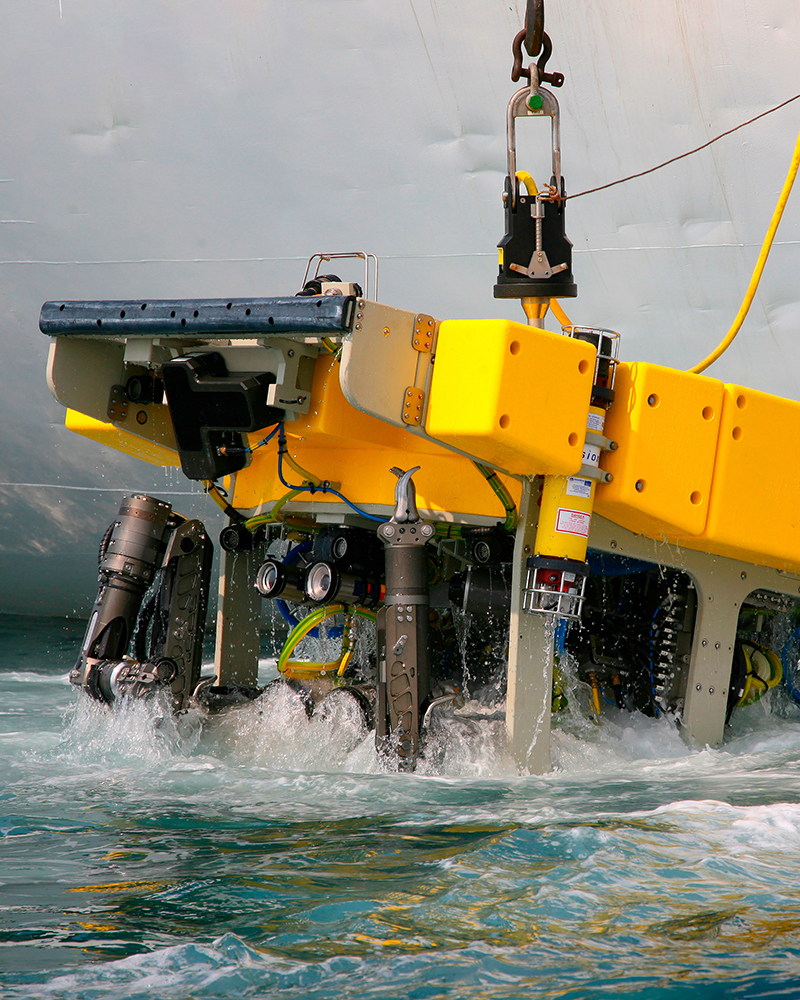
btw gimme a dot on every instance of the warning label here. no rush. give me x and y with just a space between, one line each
572 522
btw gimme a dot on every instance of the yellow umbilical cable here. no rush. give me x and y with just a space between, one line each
762 260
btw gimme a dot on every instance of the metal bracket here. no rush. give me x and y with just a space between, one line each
293 377
604 443
539 266
413 406
117 403
425 329
593 472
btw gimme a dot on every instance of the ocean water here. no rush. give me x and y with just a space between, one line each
262 854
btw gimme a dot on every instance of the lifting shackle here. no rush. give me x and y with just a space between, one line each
533 102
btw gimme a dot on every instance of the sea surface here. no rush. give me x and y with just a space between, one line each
263 854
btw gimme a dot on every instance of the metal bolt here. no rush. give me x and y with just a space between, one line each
613 544
716 645
743 575
711 690
698 687
290 352
652 400
704 642
639 485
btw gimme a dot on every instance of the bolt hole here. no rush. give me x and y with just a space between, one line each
505 420
741 402
583 366
573 440
122 314
247 312
144 306
708 413
99 322
172 314
653 400
736 433
183 321
196 314
229 305
696 497
61 307
271 321
514 347
640 485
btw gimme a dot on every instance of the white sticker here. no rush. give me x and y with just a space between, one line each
579 487
595 421
572 522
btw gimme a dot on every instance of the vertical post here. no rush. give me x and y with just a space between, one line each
238 622
530 655
709 677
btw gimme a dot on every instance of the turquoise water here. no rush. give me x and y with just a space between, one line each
263 854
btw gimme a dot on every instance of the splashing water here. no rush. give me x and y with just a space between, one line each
262 853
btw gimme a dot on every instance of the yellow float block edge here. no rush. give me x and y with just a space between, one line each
113 437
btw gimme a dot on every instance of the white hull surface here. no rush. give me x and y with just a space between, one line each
206 149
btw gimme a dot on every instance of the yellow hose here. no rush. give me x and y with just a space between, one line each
762 260
305 625
559 313
216 496
525 178
502 493
307 476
